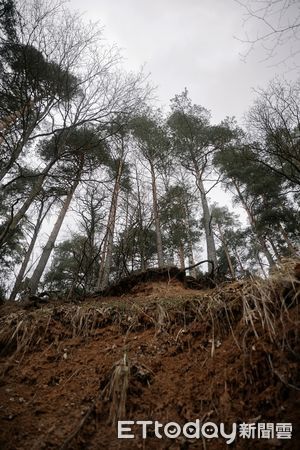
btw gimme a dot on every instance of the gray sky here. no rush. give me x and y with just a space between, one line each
186 43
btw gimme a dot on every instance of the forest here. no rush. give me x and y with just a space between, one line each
84 149
149 254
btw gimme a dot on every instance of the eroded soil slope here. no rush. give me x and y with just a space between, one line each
162 352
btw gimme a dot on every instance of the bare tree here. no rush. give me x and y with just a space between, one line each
58 74
274 127
101 90
274 26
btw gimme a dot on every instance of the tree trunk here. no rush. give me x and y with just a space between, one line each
6 124
192 272
226 250
12 224
16 153
90 277
140 240
38 272
190 255
261 266
105 265
210 241
181 256
20 276
156 218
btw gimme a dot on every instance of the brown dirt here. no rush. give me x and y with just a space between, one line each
229 354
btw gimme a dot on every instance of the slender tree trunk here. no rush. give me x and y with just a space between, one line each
13 222
156 218
140 232
5 129
16 153
210 241
105 265
38 272
226 250
231 269
5 125
123 270
252 221
190 255
141 245
20 276
90 277
181 256
191 259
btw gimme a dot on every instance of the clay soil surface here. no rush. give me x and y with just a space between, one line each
70 371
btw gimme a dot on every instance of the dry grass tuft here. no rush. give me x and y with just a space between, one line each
116 390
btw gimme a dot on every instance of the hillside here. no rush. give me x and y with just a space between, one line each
161 352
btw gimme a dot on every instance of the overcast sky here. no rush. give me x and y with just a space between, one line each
186 43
